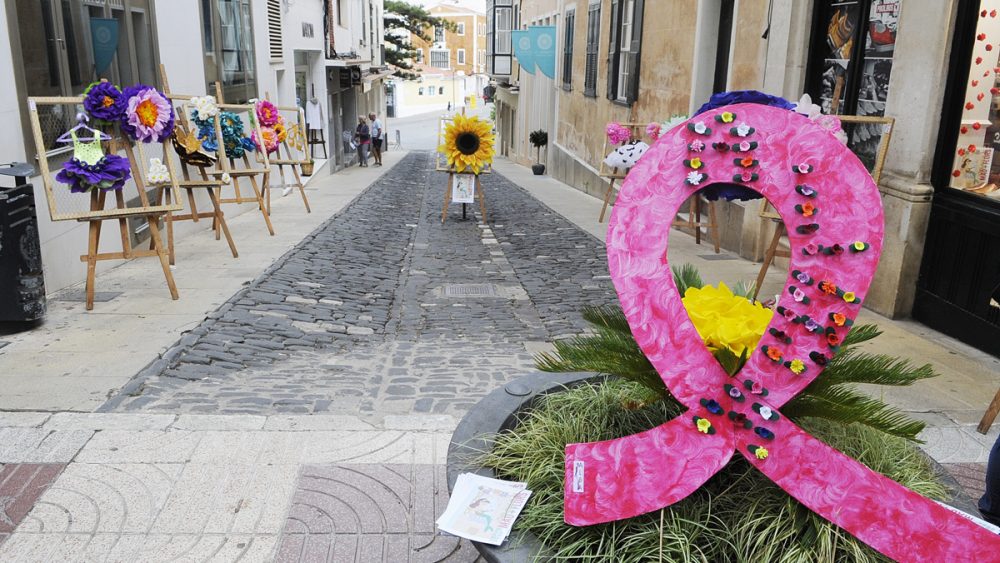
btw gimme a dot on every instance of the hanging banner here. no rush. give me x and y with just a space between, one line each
543 43
524 50
104 38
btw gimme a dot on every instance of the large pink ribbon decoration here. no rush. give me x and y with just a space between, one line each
833 211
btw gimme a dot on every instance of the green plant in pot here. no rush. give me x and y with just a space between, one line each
538 139
739 515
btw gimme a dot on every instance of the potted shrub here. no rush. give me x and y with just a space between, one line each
538 139
519 433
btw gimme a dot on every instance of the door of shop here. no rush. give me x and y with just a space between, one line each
958 290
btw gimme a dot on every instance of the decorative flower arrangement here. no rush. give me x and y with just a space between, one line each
618 133
236 142
148 115
104 102
829 122
158 172
468 144
270 139
268 114
272 126
205 106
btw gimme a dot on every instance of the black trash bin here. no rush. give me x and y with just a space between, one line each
22 285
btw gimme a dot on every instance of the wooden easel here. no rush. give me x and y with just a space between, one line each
767 213
165 192
248 171
693 220
289 159
447 195
98 214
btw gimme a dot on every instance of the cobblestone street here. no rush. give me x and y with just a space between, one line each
386 310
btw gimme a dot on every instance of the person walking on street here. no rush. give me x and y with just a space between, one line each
363 138
376 131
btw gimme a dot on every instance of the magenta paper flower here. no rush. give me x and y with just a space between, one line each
267 114
149 115
810 249
696 146
653 130
618 133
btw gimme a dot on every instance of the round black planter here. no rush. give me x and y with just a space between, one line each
500 410
538 169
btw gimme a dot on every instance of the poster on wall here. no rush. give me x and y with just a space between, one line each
463 189
841 23
876 68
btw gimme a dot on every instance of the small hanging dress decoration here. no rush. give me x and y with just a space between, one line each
90 168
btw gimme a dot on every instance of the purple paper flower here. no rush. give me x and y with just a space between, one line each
803 277
735 393
148 116
811 325
103 101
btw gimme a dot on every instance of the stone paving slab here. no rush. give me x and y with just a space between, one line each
971 476
20 487
152 548
369 512
958 444
37 445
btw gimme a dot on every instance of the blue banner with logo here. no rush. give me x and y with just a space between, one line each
524 50
104 36
543 43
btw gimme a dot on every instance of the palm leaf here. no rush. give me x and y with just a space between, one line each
859 334
686 276
847 406
874 369
744 289
607 316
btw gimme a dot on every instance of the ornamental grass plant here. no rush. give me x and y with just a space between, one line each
739 515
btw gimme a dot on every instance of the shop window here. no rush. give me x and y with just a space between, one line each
439 59
851 62
229 49
623 52
58 57
593 46
567 62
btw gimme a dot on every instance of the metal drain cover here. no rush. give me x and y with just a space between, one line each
471 290
80 296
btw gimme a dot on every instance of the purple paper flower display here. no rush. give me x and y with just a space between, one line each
103 102
148 116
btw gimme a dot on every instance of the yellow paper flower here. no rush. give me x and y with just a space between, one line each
760 452
724 320
859 246
849 296
704 425
468 144
797 366
695 163
727 117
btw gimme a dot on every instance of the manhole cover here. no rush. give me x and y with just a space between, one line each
471 290
81 296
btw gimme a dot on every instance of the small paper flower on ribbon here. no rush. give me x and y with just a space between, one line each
860 246
802 168
765 412
694 163
810 249
805 190
789 314
696 146
764 433
712 406
721 147
806 209
840 319
694 178
734 392
832 338
818 358
780 335
747 161
745 146
746 176
849 297
725 117
827 287
807 229
704 425
811 325
772 353
740 419
760 452
803 277
798 295
742 130
700 128
797 366
755 388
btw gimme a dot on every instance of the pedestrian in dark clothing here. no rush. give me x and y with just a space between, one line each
363 138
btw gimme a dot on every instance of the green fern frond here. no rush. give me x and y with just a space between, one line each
859 334
607 316
686 276
845 405
874 369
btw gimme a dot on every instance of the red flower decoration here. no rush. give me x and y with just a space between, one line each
832 339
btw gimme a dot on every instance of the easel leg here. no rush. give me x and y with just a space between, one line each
165 194
154 232
447 197
696 223
264 210
94 241
607 199
482 199
123 226
713 226
768 258
221 220
990 415
302 188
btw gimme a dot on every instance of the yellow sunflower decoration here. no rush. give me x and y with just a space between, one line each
468 144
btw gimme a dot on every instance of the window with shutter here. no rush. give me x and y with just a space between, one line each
615 39
567 70
275 44
593 46
623 53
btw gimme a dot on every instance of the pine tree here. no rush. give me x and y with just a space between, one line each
400 21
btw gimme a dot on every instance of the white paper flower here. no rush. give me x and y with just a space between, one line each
205 106
694 178
807 108
700 128
158 173
674 121
226 178
765 412
743 130
744 146
803 168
